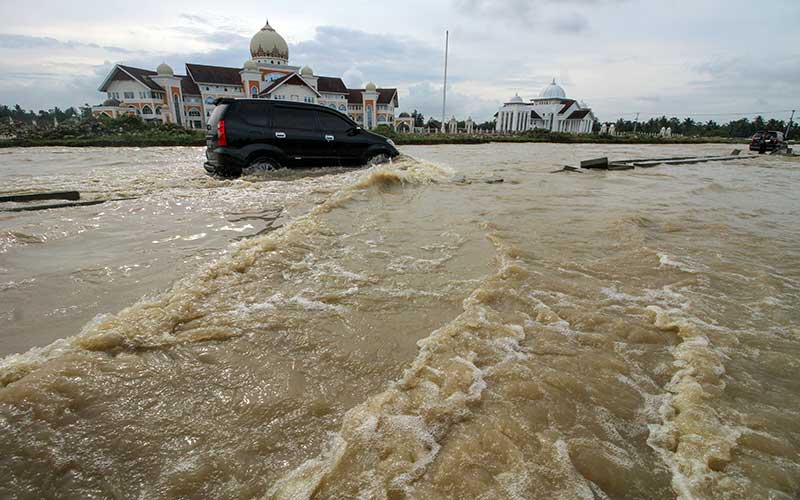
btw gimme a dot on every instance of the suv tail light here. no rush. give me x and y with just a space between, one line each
222 139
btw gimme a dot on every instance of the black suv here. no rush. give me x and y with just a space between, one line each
259 134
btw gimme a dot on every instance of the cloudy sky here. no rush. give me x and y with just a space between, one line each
712 59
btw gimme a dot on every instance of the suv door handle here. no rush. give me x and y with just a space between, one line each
329 138
280 135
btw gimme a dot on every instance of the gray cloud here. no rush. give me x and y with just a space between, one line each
9 41
537 14
672 63
573 23
385 59
49 89
427 98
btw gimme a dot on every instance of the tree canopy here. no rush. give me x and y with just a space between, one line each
741 128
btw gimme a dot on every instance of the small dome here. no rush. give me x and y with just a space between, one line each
516 99
306 71
250 65
371 87
112 103
553 90
164 69
268 44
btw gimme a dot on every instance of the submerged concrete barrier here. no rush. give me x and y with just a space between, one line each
56 195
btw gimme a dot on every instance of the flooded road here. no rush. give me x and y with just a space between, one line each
390 333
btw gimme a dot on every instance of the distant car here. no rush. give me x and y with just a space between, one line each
767 140
259 134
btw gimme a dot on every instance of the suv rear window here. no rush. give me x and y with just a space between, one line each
294 118
216 116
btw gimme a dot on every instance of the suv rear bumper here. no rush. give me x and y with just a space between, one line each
219 162
211 169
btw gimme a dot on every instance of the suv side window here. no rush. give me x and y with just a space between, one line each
287 118
253 113
331 123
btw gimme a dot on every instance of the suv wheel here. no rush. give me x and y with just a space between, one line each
260 166
377 159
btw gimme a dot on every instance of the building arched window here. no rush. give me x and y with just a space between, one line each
342 108
254 91
158 110
368 115
176 102
381 118
132 110
147 110
194 113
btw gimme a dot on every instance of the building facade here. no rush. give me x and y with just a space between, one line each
551 111
188 100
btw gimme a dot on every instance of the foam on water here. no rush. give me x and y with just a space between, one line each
163 320
394 335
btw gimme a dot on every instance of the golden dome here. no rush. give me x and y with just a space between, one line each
268 44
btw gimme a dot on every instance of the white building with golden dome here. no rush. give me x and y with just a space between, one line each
552 111
188 100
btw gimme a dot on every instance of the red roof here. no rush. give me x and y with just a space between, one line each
217 75
292 79
385 96
275 83
188 86
567 104
355 96
128 73
579 114
330 84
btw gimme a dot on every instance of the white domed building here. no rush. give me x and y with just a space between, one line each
188 100
552 111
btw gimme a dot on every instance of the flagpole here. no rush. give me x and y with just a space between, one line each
444 88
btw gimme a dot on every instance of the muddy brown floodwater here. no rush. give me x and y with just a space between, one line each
389 333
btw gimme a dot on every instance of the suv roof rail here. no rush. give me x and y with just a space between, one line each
223 100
